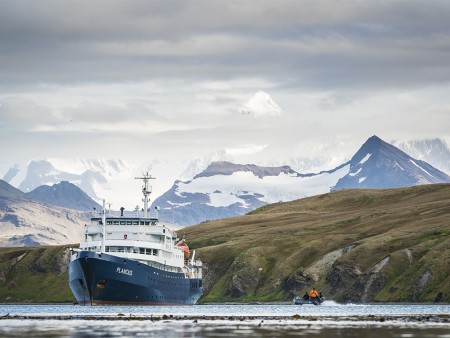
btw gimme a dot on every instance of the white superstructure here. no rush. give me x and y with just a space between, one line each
143 239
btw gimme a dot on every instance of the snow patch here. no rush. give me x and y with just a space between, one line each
364 160
354 174
179 204
398 165
224 200
418 166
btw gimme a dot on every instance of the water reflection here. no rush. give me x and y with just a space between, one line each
328 308
254 328
227 320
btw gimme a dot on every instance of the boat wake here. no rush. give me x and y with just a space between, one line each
331 303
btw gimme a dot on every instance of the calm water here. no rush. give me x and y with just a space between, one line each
330 320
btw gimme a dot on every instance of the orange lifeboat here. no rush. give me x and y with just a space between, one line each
183 246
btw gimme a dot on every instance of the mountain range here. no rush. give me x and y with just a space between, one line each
54 212
434 151
226 189
26 222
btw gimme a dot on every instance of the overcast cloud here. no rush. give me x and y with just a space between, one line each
166 79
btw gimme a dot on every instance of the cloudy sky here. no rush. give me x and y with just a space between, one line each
167 79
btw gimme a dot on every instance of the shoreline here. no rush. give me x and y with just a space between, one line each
243 303
422 318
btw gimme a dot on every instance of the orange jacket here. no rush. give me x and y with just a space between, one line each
313 293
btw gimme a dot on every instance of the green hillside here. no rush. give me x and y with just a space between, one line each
354 245
34 274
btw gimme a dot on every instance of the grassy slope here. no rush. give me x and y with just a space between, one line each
253 257
265 255
34 274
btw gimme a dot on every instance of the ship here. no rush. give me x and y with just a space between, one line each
133 261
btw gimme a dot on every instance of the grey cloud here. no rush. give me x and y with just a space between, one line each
308 43
22 114
19 113
93 112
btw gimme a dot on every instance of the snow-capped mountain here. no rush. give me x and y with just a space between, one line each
378 165
26 222
226 189
99 178
434 151
65 195
197 165
261 104
44 173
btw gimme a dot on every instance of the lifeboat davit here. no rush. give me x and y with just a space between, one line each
183 246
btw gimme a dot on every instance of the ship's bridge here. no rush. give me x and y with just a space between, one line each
143 239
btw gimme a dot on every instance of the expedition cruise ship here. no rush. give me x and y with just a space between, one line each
134 260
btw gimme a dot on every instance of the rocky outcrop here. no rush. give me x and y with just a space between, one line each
305 278
350 284
246 273
374 280
323 265
420 284
340 277
298 281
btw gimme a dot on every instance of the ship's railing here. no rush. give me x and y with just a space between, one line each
125 243
193 269
132 250
138 229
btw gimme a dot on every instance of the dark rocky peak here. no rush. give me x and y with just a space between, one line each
8 192
228 168
66 195
378 164
375 146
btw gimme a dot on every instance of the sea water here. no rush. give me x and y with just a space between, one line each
226 320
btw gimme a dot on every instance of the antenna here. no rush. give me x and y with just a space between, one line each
146 190
103 227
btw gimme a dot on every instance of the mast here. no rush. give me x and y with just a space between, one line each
104 227
146 190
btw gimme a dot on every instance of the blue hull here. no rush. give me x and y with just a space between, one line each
102 279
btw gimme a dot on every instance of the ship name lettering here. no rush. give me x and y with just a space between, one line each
124 271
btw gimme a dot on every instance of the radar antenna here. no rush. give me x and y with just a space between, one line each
146 190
